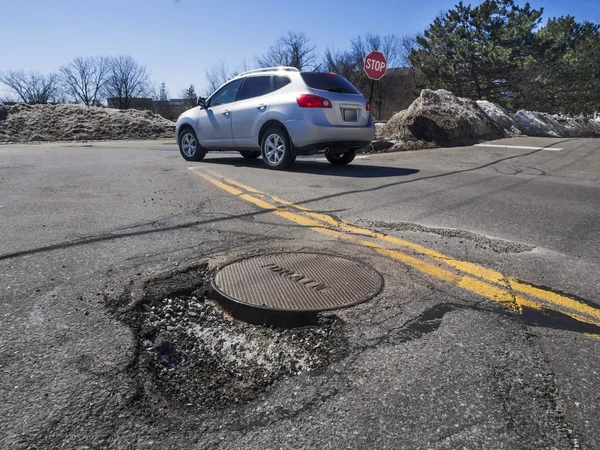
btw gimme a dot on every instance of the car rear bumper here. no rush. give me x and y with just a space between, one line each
336 147
308 138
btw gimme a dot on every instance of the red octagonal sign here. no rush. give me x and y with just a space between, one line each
375 65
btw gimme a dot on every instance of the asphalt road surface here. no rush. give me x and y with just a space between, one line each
486 334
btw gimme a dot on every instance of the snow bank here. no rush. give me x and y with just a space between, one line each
546 125
438 118
501 117
27 123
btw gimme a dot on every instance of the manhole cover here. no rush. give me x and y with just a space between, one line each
288 289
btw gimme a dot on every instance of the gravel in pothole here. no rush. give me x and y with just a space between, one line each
191 352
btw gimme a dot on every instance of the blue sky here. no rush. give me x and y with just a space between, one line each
178 40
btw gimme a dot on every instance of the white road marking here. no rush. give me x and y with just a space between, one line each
520 147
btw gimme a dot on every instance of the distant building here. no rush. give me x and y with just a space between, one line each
169 109
132 103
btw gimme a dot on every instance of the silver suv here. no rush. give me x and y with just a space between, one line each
279 113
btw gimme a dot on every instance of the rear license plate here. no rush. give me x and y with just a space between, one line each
350 115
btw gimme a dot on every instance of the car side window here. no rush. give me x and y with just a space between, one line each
227 94
280 82
256 86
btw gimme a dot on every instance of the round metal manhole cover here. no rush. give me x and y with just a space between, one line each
297 282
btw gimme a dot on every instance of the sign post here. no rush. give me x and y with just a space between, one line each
375 68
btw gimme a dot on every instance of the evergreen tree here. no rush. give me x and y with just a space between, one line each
190 96
478 52
566 74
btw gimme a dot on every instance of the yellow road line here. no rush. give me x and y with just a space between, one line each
464 281
464 266
577 308
489 275
485 282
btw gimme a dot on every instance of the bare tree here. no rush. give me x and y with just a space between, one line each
84 78
392 90
127 79
8 99
216 76
31 87
341 62
220 73
294 50
407 44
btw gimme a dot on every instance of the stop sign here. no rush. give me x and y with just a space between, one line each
375 65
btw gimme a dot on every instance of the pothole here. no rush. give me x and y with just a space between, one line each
193 354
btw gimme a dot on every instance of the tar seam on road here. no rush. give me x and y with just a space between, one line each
508 291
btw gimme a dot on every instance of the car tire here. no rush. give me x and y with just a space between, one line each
250 154
341 159
276 149
189 146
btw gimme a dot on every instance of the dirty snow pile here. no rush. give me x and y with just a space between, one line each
30 123
546 125
501 117
438 118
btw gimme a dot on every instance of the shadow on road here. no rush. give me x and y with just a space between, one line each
315 167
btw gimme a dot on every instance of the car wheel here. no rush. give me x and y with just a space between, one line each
250 155
276 149
189 147
341 159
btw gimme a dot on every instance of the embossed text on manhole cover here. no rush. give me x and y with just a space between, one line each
302 282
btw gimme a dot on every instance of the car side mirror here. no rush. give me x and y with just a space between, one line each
202 102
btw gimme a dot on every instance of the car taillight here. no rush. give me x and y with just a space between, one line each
369 107
312 101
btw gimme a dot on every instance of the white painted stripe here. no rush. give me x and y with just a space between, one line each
520 147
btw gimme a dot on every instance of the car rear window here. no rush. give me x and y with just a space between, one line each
329 82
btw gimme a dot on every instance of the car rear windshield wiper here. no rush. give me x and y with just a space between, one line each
341 90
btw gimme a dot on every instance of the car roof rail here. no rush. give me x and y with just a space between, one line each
269 69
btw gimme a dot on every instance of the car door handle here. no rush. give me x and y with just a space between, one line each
226 112
262 106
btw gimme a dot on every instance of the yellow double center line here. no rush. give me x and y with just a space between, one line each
482 281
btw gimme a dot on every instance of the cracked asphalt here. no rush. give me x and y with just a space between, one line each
99 243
